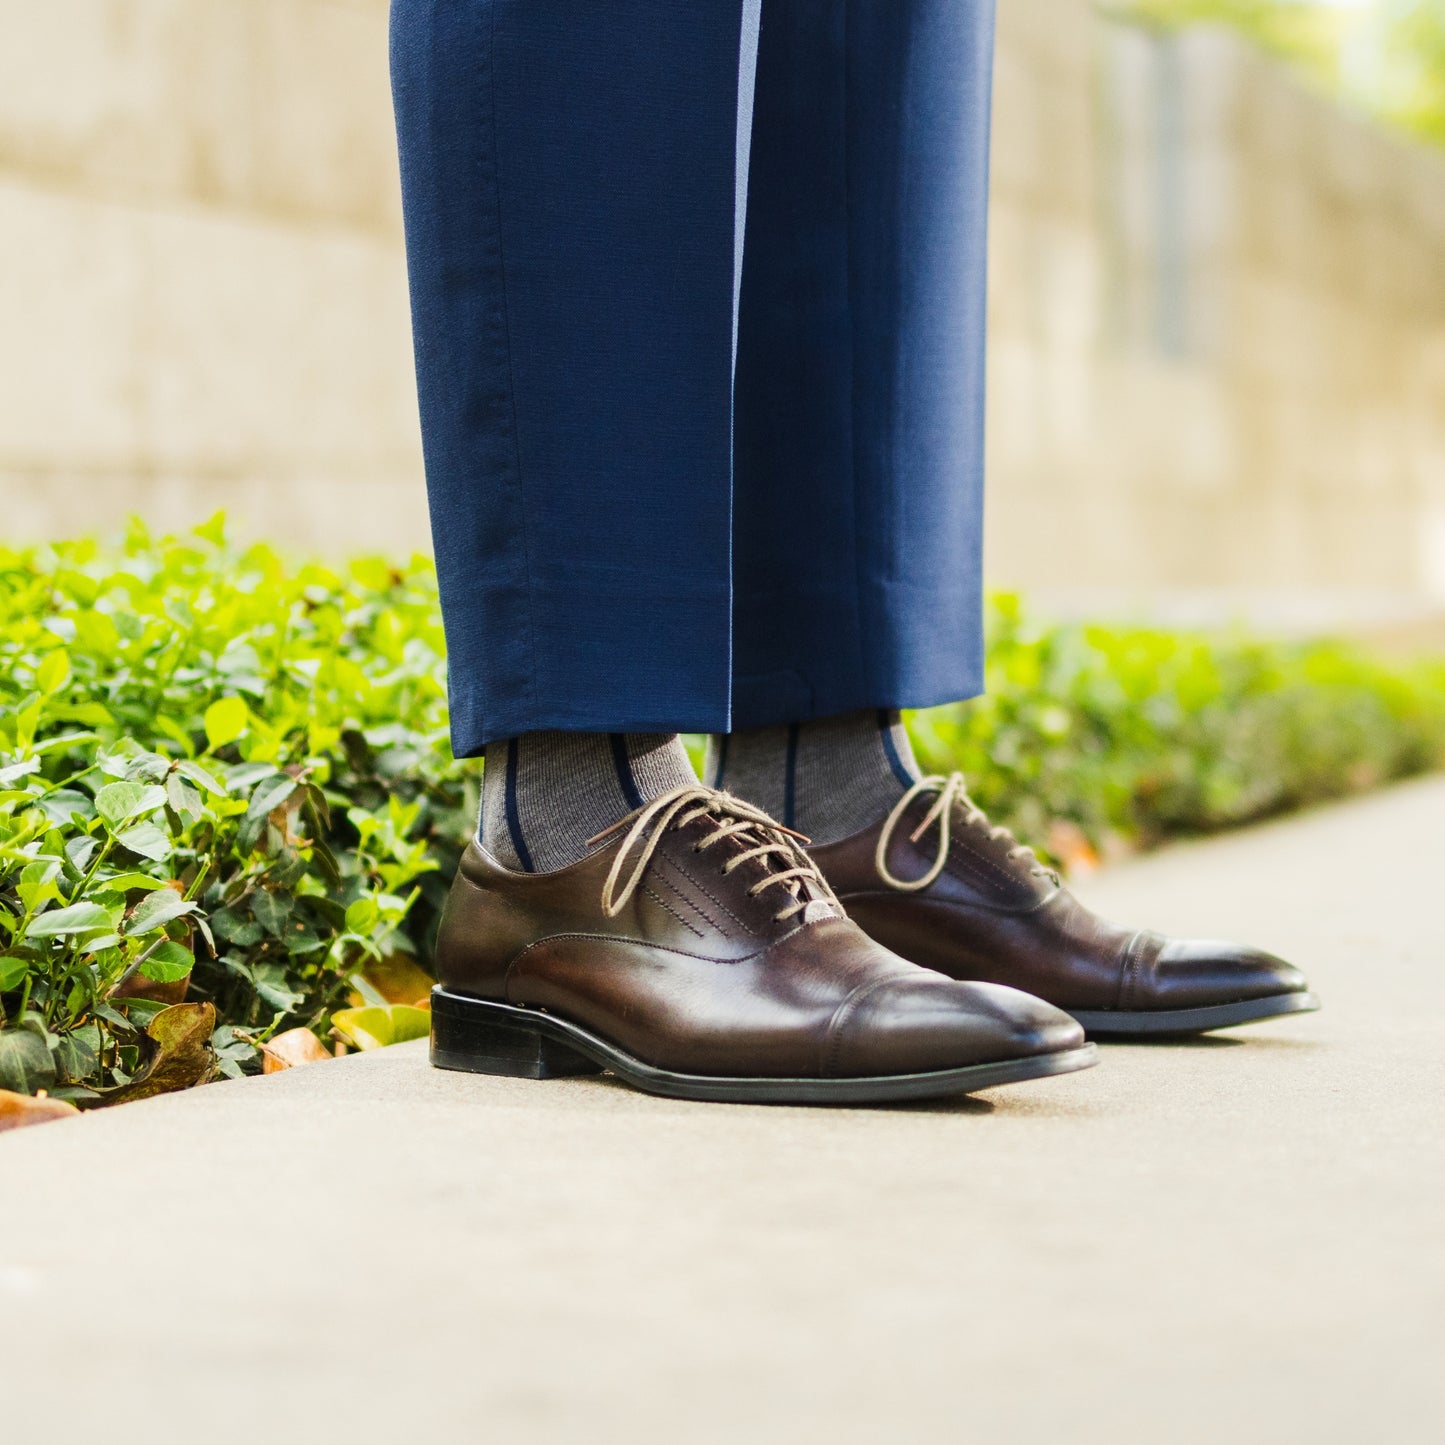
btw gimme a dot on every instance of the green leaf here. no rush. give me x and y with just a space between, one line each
169 963
184 800
271 986
213 530
139 1012
270 793
243 932
144 767
362 916
195 773
320 808
12 972
224 722
118 803
271 910
65 740
248 835
114 1017
379 1026
156 910
60 805
147 840
78 853
26 1064
53 671
128 882
76 1055
245 775
37 883
62 922
13 772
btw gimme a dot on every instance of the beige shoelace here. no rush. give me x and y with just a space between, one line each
950 790
772 843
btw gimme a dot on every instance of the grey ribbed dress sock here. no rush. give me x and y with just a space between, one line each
545 794
828 778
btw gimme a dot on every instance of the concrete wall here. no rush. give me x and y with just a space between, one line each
1218 303
202 296
1218 346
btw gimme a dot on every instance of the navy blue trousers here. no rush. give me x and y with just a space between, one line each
698 292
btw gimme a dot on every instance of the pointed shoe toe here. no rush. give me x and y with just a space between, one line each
1194 971
922 1021
1175 987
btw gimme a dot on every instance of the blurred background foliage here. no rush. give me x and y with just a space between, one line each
229 812
1387 56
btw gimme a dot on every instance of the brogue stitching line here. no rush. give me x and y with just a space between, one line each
987 862
667 866
707 893
663 903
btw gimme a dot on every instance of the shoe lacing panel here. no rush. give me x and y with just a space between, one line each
778 850
951 804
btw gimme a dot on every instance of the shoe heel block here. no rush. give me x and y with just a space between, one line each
479 1037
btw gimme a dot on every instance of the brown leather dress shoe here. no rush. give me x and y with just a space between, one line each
700 954
938 884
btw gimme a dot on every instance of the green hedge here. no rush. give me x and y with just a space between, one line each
228 808
1129 736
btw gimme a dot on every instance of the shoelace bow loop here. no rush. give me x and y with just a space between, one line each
951 791
772 844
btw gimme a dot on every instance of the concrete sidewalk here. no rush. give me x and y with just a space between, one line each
1239 1239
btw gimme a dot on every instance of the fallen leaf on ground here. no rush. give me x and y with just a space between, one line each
379 1026
1071 846
292 1049
399 979
183 1056
19 1111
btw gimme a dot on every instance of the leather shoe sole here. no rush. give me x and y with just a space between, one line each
1181 1022
481 1037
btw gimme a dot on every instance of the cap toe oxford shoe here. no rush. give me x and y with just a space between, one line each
698 953
939 885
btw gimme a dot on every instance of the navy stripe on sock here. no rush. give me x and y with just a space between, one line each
720 772
623 764
514 818
790 777
886 719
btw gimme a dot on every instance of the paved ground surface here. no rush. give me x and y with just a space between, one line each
1240 1240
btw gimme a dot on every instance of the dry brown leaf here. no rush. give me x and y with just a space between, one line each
19 1111
142 987
139 986
1070 845
292 1049
182 1056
